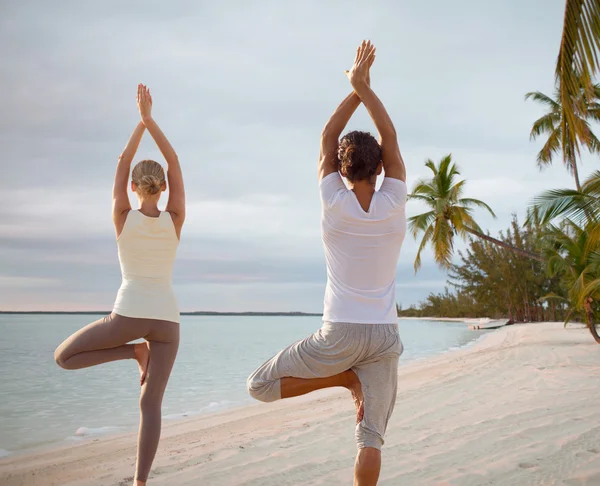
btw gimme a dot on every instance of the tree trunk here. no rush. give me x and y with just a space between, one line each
590 319
506 246
576 176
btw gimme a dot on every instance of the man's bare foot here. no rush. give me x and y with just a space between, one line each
142 356
353 384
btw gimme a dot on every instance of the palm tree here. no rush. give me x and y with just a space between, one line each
560 141
574 255
449 214
581 206
576 65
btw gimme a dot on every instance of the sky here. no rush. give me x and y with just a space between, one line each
242 90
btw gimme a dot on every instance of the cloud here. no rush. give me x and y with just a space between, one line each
243 90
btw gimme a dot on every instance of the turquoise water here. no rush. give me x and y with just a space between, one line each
42 404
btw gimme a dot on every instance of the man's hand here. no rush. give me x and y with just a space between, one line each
359 75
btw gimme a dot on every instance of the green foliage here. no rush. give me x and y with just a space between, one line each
582 207
496 282
572 246
449 213
559 143
576 65
574 256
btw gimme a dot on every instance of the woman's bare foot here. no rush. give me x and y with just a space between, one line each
353 384
140 483
142 356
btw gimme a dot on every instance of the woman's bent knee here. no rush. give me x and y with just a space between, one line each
60 356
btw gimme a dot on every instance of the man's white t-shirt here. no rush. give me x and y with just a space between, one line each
362 251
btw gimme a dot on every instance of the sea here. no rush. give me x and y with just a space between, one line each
43 405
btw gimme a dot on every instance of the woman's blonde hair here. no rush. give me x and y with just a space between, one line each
148 177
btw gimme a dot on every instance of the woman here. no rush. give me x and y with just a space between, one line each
146 306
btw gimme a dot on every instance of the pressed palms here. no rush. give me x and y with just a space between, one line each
574 255
450 214
576 65
560 140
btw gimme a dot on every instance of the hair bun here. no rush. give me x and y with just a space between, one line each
359 156
150 184
149 177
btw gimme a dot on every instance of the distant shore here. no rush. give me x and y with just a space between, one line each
470 320
195 313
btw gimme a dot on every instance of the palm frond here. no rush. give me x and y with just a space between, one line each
426 238
592 143
424 187
577 60
591 289
476 202
420 222
553 296
551 148
431 164
568 316
456 191
443 242
567 203
544 99
545 124
462 219
592 184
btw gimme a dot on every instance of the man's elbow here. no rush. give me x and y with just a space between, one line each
329 139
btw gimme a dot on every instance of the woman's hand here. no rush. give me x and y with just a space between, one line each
359 74
144 102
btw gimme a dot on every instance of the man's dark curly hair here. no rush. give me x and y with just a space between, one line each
359 155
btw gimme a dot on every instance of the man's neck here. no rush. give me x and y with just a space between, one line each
364 191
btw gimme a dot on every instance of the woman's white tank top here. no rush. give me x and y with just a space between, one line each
147 249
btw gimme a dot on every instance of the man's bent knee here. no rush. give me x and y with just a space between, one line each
264 391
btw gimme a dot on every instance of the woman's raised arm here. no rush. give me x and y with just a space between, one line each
176 202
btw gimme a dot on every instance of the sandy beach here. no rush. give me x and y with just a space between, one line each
520 407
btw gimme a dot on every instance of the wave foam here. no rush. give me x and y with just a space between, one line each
89 431
210 408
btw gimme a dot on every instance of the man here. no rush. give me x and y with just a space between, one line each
358 346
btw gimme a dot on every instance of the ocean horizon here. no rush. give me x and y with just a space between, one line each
44 405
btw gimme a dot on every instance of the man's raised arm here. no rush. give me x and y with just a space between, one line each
330 136
393 165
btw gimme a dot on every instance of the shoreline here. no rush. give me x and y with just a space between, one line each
516 407
466 320
221 416
108 431
231 313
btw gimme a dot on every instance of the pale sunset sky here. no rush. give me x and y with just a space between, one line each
242 90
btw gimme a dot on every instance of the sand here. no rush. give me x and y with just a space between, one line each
521 407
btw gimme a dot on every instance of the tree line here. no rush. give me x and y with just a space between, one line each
548 267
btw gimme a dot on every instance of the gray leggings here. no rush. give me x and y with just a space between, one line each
106 340
371 350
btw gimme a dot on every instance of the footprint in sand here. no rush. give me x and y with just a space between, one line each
527 465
